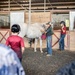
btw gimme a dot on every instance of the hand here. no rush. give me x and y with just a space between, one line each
45 32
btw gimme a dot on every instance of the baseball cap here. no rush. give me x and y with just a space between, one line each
49 23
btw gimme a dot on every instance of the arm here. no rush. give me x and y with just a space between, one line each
7 42
63 29
22 46
48 30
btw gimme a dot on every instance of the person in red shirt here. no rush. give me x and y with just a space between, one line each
62 35
15 41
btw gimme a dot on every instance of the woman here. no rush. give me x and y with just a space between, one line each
62 35
49 33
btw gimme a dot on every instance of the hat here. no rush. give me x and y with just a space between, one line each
49 23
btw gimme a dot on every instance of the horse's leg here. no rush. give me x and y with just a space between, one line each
41 45
35 45
30 42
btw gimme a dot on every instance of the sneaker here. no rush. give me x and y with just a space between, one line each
48 55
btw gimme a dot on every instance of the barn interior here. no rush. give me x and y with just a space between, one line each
41 11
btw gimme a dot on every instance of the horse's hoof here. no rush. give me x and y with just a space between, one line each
41 51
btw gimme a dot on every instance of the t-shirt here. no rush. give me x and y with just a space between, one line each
64 28
15 42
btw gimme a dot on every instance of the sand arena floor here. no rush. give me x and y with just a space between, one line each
40 64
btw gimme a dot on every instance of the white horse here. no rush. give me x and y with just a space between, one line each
33 31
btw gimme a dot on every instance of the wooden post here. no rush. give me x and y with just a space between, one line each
29 12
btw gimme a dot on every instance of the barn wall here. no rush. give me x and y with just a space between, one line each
40 17
69 39
4 33
56 37
72 40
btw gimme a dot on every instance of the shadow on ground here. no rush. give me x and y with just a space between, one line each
36 63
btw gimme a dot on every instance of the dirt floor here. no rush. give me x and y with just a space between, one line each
36 63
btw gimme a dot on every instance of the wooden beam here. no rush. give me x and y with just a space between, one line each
27 2
40 7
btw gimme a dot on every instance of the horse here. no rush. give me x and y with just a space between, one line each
33 32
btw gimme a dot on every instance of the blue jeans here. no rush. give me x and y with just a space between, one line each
49 45
61 42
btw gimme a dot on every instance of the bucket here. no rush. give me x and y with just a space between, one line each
43 36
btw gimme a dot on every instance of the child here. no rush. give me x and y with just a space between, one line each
15 41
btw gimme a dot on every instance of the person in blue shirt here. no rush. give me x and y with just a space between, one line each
9 62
